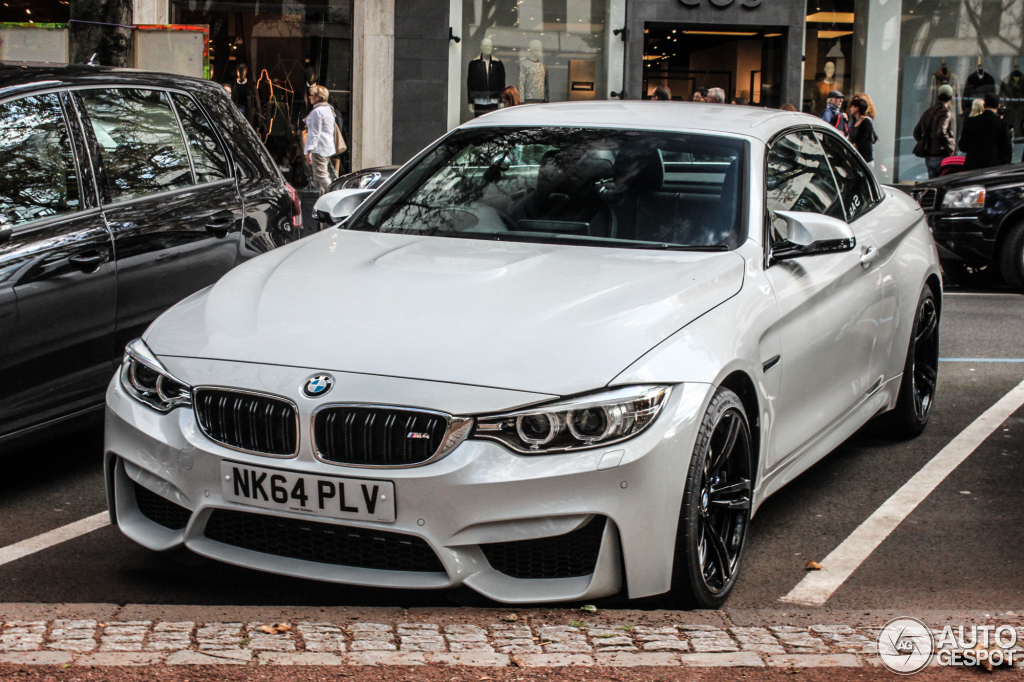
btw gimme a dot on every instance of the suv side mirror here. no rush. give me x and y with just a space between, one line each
812 234
334 207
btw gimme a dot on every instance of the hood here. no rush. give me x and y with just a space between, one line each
996 175
553 319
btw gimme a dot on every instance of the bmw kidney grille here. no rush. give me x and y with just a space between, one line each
248 421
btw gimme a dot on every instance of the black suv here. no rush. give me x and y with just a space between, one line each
977 219
121 193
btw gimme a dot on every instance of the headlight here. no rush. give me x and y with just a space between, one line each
966 197
149 382
590 421
362 181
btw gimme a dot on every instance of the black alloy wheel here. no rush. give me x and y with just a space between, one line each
716 507
920 373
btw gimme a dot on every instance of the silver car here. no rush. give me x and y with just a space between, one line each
564 353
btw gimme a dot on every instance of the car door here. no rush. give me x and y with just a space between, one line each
827 302
175 228
862 200
57 277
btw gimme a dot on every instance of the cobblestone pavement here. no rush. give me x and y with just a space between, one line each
676 639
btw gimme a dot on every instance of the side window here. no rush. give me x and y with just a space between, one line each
139 140
38 175
208 157
853 178
799 179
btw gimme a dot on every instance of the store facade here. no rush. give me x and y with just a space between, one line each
403 72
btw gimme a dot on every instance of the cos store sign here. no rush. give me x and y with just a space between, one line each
749 4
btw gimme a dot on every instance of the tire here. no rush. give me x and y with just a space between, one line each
715 510
920 374
1011 257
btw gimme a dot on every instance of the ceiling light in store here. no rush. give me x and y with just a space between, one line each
834 34
831 17
772 35
722 33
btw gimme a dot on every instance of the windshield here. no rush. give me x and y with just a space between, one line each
599 187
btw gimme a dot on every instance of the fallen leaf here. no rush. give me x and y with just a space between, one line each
589 608
813 566
986 662
269 629
510 618
515 661
283 627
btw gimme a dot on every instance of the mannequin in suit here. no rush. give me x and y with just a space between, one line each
485 79
533 75
978 84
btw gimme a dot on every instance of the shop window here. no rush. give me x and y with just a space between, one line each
139 140
38 177
550 50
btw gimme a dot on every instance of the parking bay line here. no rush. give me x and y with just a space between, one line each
53 537
818 586
981 359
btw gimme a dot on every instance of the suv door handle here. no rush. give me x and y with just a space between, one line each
220 224
89 261
868 256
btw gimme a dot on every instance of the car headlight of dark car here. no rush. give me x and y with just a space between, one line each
589 421
362 181
964 197
144 378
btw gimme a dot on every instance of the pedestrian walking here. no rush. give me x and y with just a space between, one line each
787 107
510 97
977 106
862 131
699 94
741 101
934 139
986 138
833 114
662 94
319 147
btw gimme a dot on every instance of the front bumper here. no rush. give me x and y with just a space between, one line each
480 493
964 235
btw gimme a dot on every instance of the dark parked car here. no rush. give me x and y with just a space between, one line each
368 178
121 193
977 218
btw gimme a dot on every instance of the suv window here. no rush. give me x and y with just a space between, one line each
38 176
208 157
799 179
139 141
853 178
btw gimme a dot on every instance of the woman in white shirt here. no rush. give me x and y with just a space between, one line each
320 137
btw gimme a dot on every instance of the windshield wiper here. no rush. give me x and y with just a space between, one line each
578 240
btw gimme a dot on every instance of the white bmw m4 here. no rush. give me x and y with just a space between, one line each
562 354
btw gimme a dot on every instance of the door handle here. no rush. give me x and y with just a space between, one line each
868 256
220 224
88 261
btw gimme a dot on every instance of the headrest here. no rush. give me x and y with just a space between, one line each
651 176
596 164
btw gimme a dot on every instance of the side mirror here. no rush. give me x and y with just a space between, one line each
812 234
334 207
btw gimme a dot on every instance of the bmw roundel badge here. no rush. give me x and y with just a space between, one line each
317 385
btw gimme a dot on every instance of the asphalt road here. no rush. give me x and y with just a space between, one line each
958 550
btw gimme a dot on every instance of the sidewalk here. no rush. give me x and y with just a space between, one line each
134 635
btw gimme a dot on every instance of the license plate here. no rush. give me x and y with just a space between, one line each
333 497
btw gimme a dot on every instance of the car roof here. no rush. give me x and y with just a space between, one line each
17 77
748 121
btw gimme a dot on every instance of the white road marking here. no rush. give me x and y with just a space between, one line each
54 537
973 293
818 586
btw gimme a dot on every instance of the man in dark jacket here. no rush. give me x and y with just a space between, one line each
934 140
986 137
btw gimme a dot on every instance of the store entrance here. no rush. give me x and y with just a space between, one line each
745 62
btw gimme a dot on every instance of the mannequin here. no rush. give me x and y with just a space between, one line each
1011 94
485 79
244 94
946 77
824 86
533 75
979 84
